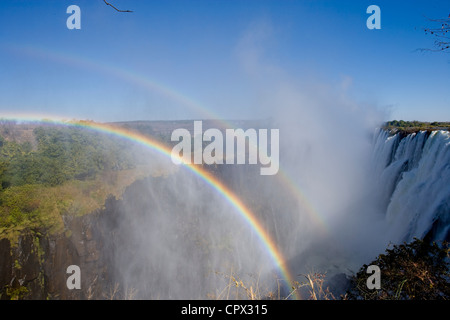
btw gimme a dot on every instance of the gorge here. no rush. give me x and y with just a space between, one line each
163 240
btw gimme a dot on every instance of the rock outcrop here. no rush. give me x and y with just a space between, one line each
36 266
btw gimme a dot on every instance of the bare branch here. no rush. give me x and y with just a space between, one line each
441 32
109 4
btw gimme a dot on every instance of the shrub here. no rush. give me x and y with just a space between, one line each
415 271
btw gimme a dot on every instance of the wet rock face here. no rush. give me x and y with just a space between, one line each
20 269
36 266
6 264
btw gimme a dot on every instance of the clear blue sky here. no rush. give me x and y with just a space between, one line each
172 59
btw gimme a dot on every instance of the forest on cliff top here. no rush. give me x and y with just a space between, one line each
51 171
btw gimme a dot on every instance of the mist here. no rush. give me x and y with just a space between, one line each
326 149
180 239
330 192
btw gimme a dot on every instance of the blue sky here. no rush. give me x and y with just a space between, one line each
197 59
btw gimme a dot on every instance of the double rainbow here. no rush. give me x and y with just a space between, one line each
173 95
227 194
37 52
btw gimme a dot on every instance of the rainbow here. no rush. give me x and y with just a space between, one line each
173 95
147 142
164 90
292 187
114 71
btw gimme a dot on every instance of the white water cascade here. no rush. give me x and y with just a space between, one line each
412 179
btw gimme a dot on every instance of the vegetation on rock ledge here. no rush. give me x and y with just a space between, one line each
414 126
415 271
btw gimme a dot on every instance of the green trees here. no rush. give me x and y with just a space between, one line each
61 154
417 125
408 127
61 170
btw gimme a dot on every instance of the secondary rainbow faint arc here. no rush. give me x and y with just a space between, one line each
120 73
212 181
174 95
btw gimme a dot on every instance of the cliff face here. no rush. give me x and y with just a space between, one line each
35 267
123 250
117 247
107 248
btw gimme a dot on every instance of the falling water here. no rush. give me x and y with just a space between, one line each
413 183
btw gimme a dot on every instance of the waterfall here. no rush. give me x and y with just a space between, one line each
412 179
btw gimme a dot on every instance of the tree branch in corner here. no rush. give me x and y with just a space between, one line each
109 4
